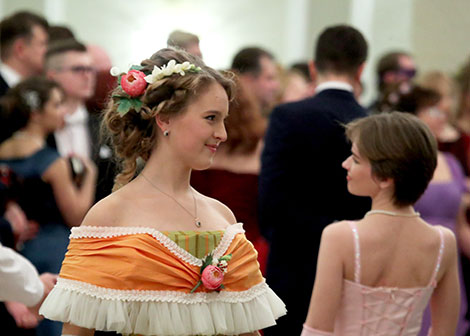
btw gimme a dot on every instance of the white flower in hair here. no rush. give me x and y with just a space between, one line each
115 71
169 69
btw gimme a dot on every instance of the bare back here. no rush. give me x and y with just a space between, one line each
395 252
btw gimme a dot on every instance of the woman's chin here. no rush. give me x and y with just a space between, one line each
202 165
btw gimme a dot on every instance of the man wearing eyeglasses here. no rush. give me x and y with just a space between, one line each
393 68
69 63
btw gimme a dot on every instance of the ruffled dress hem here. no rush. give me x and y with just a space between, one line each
163 312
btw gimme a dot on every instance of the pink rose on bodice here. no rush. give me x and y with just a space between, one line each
212 277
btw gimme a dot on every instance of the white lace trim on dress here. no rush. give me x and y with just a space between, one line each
160 296
175 249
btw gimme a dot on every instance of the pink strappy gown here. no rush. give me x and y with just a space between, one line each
382 311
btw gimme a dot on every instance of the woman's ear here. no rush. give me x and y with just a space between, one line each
312 69
163 122
385 183
34 116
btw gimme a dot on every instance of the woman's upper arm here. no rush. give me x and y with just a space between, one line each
58 175
445 300
326 296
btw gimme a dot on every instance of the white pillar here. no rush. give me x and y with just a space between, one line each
362 17
387 25
296 30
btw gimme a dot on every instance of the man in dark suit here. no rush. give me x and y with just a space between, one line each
302 184
23 43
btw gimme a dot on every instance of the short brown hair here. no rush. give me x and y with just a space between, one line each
181 39
134 135
248 60
60 47
398 146
340 49
18 25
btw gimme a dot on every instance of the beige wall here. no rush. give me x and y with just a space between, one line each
441 40
435 31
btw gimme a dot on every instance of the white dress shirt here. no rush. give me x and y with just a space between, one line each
334 85
9 75
19 280
74 138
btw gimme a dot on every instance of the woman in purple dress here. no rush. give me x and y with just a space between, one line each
441 203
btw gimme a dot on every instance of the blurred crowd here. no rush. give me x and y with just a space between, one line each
54 164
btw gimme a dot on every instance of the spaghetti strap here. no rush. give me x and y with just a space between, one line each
432 282
357 253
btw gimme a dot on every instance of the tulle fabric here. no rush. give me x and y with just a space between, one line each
164 318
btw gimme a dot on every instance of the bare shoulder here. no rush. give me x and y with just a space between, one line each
450 241
219 209
107 212
337 233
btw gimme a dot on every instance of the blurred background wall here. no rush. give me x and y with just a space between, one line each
434 31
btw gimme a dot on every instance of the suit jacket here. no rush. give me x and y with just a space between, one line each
3 86
302 189
5 133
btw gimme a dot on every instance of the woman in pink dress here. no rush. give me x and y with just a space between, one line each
376 276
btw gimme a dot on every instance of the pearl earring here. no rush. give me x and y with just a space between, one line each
166 133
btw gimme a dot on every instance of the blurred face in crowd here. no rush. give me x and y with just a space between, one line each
51 117
405 73
34 49
434 118
266 85
297 88
75 73
194 49
407 68
54 111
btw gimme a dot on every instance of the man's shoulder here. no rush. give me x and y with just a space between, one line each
3 86
331 104
294 110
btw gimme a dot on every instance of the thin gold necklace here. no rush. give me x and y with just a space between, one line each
197 222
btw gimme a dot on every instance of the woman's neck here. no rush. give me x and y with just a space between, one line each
167 173
384 202
34 131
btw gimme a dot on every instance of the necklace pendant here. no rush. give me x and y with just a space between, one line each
197 222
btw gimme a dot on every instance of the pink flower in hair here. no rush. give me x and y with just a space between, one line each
133 83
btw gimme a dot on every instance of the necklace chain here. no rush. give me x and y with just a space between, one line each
197 222
392 213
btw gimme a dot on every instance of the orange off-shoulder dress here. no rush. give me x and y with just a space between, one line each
137 280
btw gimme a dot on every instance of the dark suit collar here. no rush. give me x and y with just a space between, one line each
3 86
